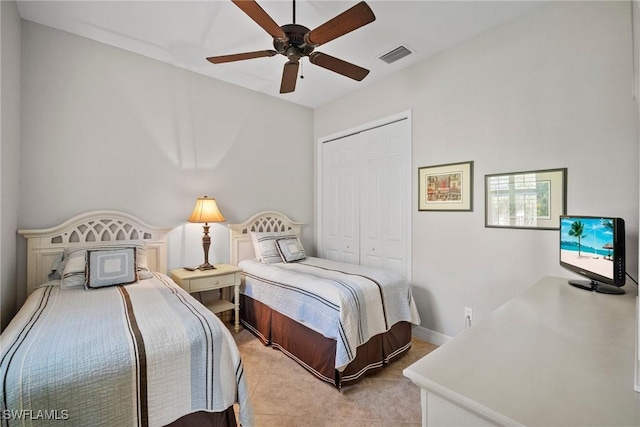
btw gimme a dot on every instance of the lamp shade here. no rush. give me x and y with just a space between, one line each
206 210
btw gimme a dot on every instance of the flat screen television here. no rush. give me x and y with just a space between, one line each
594 247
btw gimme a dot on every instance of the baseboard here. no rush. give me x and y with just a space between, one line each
431 336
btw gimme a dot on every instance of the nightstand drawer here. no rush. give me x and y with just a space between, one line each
215 282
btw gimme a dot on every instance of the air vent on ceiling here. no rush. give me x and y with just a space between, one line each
396 54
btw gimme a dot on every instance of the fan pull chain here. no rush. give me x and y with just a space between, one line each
301 70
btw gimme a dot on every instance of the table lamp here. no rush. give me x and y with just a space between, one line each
206 211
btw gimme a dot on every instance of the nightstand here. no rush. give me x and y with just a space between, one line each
223 276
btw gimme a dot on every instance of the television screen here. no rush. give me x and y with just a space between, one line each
594 247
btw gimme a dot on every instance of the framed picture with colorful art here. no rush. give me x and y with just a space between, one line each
447 187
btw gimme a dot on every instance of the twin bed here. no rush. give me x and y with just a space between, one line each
141 354
339 321
97 351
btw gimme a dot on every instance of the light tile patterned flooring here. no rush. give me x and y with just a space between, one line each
284 394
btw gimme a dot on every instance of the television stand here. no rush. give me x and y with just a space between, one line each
592 285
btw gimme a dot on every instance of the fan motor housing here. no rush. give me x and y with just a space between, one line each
295 42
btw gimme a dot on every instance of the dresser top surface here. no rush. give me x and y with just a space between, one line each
552 355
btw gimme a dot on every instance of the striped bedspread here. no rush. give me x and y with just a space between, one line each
138 355
346 302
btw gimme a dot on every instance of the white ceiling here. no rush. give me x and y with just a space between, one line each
184 33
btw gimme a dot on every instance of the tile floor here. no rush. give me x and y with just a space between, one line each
284 394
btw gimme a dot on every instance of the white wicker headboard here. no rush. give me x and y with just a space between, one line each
241 246
44 245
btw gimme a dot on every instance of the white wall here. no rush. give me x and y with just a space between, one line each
551 89
103 128
9 156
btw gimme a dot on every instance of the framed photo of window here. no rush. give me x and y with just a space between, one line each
446 187
531 199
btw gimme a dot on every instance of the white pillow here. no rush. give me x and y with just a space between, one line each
290 249
264 245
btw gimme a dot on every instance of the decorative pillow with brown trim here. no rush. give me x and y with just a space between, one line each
290 249
110 267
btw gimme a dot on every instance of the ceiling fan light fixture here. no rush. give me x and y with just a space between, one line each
294 54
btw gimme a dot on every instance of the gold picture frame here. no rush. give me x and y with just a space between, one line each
447 187
530 199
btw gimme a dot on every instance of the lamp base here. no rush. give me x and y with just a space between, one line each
206 266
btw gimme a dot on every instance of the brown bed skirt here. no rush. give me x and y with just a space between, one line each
226 418
315 352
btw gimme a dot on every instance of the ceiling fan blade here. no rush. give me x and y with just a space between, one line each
289 77
338 65
255 12
241 56
349 20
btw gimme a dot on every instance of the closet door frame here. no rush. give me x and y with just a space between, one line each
405 115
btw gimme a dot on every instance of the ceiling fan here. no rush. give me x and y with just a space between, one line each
296 41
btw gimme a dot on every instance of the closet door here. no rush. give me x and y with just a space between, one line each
385 197
366 198
340 211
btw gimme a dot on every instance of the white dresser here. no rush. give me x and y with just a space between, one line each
554 355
